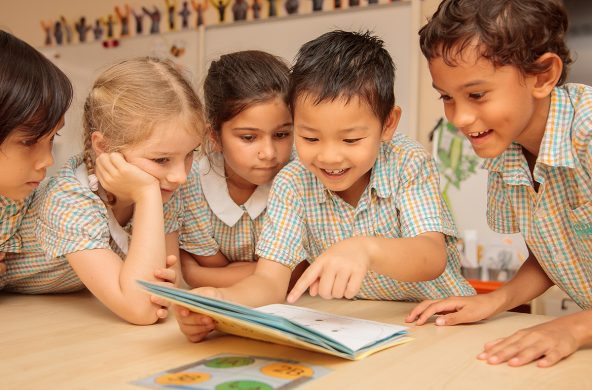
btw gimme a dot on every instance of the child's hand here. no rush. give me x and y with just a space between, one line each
454 310
193 325
551 341
337 273
2 264
124 180
168 277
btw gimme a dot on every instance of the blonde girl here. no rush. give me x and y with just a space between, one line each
111 215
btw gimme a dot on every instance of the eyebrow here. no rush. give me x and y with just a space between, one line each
258 129
467 85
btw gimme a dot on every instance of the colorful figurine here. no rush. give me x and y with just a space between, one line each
292 6
221 7
123 19
337 4
317 5
185 13
82 29
110 23
139 17
155 19
46 26
58 34
170 6
98 29
256 7
67 28
272 8
199 7
239 10
354 3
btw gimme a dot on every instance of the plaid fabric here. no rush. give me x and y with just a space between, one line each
402 200
65 217
11 215
204 234
556 222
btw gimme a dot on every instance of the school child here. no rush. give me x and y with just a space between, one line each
500 67
142 122
249 140
361 205
34 96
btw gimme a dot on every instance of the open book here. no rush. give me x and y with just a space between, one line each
346 337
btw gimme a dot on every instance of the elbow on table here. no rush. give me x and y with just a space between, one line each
143 313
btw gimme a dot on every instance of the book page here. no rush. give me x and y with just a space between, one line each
353 333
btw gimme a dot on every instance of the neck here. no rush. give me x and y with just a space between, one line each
239 189
531 138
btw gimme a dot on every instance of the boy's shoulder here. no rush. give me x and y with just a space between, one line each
66 187
402 156
580 96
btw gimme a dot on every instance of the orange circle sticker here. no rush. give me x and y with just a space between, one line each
183 378
286 370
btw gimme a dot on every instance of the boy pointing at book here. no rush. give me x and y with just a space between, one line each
361 204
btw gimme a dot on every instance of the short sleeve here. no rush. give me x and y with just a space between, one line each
173 213
11 216
284 230
70 218
196 234
500 215
419 201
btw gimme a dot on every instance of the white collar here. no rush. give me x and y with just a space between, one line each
120 236
215 190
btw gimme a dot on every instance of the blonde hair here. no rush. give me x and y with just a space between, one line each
131 98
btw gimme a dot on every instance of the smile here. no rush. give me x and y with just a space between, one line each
479 134
334 172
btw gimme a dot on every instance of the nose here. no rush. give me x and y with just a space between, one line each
462 115
329 154
44 157
177 174
267 150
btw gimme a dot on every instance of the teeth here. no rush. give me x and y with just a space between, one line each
334 171
478 133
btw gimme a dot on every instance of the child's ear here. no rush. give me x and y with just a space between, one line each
214 139
389 127
547 80
98 143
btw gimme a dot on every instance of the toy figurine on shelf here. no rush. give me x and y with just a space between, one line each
110 23
336 4
272 8
67 29
170 6
123 16
98 29
354 3
317 5
58 34
239 10
184 14
221 7
139 18
292 6
256 8
371 2
154 18
200 7
46 26
82 29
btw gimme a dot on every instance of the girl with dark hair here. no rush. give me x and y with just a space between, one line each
34 95
249 140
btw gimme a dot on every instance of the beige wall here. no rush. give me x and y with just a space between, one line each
22 18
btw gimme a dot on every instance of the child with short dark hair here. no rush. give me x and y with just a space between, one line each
361 205
500 67
34 96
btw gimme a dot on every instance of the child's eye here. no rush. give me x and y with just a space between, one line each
351 140
52 139
282 134
161 161
310 139
476 96
247 137
445 98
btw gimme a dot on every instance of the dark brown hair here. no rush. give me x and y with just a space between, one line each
344 64
506 32
34 93
238 80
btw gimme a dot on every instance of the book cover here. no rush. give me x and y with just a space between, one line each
346 337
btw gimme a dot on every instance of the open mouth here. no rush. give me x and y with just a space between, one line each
480 134
334 172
